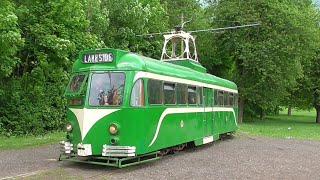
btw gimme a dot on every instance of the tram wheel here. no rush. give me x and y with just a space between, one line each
179 147
164 152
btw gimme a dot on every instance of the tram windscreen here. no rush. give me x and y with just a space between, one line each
76 83
106 89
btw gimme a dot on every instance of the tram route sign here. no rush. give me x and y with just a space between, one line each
98 58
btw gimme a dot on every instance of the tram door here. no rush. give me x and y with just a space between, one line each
208 115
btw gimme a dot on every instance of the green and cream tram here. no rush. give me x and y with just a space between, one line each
125 108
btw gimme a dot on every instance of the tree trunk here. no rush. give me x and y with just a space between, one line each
318 115
289 111
276 111
261 114
241 110
316 98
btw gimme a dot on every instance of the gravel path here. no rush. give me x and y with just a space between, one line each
241 157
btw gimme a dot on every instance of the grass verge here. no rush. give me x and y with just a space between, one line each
301 125
20 142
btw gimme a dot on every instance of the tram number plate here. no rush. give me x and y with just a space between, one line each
98 58
84 150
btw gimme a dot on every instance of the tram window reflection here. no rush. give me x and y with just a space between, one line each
231 99
182 94
155 92
106 89
192 95
169 93
215 98
226 98
76 83
137 95
199 96
220 98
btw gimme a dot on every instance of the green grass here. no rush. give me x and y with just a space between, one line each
30 141
301 125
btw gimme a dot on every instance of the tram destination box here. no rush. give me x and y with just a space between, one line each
98 58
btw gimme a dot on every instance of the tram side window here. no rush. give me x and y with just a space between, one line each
220 98
181 94
231 99
226 98
169 93
155 91
192 95
199 95
215 98
137 95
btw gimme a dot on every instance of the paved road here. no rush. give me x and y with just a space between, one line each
241 157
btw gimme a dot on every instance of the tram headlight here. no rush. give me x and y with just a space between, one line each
113 129
69 127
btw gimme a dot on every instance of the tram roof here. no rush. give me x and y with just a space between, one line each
127 61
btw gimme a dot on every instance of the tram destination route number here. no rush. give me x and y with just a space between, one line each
98 58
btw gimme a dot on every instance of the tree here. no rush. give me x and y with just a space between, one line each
34 73
10 40
312 85
264 62
307 95
98 17
10 43
130 18
54 32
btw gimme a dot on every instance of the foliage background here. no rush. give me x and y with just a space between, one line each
274 65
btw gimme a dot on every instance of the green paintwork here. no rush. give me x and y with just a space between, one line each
126 61
137 125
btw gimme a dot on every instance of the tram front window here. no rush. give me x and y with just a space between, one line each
76 83
106 89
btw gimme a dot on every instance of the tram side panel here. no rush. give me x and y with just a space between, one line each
175 129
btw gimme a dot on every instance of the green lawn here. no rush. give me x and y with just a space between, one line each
301 125
30 141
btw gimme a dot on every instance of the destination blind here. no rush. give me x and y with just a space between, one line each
98 58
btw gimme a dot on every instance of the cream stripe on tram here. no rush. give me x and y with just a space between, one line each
142 74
